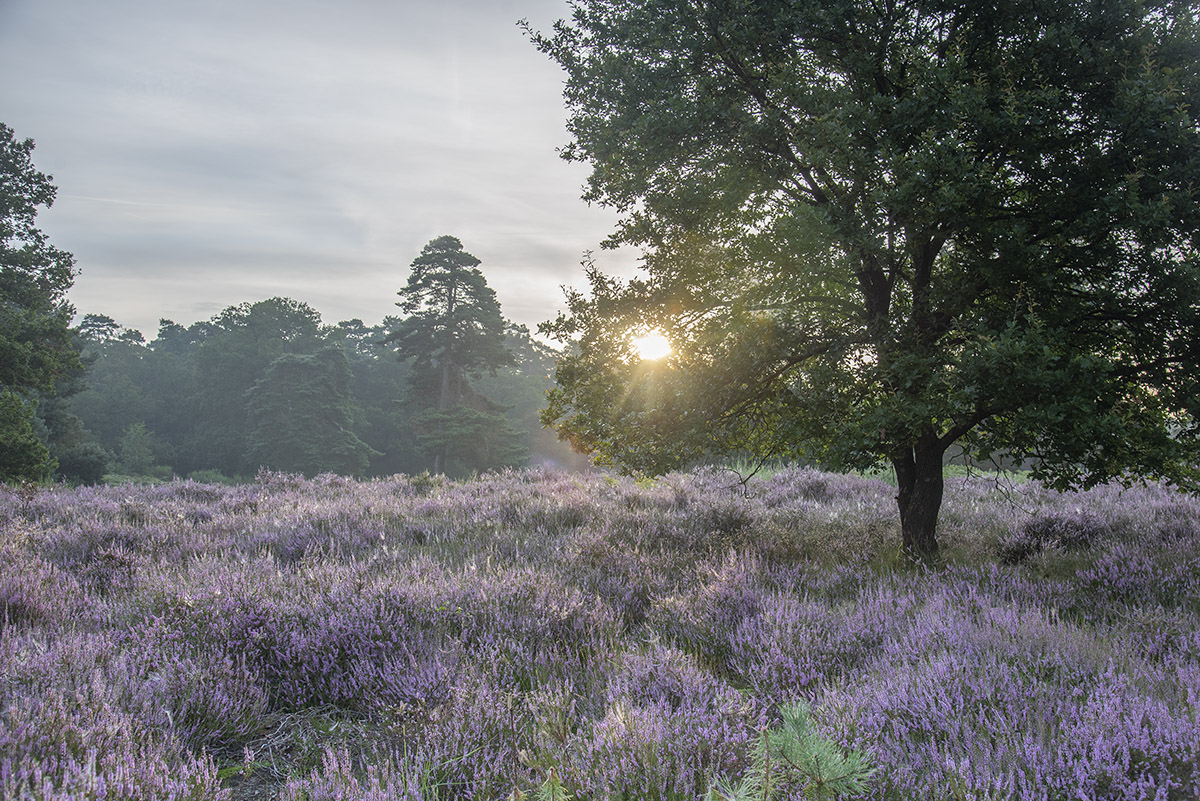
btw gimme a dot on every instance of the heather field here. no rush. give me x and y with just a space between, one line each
539 633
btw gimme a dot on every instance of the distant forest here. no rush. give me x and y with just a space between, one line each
268 385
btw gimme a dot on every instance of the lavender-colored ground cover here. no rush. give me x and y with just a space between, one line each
416 638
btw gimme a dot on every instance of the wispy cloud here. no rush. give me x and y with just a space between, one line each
209 153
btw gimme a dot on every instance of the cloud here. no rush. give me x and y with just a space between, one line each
210 153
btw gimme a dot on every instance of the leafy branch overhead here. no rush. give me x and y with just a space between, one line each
875 230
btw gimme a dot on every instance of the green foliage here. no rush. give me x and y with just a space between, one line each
35 339
192 390
125 384
99 328
792 757
519 391
23 456
209 477
471 439
234 350
37 346
453 315
454 332
216 396
378 381
84 462
301 416
135 453
80 458
552 789
521 386
874 230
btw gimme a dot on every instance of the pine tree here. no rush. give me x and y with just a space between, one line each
453 332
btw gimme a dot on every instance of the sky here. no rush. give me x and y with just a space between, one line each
210 152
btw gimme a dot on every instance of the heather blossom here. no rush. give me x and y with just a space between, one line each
415 637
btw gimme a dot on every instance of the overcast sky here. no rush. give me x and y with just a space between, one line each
209 152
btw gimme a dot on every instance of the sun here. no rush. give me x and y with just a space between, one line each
652 345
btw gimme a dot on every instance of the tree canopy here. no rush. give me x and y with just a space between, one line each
267 384
301 416
453 331
234 351
452 316
35 337
876 229
36 342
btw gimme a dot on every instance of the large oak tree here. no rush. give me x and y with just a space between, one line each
876 228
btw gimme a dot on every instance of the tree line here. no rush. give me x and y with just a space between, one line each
449 385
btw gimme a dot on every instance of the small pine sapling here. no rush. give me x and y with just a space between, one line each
550 790
793 755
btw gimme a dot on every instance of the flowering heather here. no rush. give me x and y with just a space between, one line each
417 638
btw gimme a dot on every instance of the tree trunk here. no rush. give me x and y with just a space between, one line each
919 477
439 458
